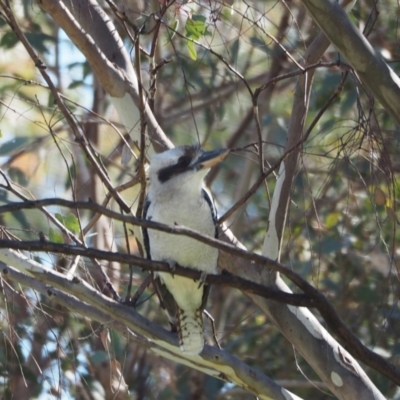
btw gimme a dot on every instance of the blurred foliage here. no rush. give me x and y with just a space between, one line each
341 235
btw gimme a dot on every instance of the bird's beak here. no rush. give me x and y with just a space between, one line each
210 158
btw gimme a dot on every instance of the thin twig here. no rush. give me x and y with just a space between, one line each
143 286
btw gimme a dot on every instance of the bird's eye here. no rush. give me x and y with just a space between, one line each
184 161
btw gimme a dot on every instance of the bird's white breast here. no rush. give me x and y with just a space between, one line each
192 212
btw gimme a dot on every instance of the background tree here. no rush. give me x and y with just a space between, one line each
311 184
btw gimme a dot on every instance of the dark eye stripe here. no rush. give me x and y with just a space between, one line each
184 161
168 172
182 165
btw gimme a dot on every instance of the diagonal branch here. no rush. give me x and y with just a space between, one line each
313 297
372 70
212 361
97 38
80 137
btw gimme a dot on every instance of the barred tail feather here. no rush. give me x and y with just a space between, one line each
190 331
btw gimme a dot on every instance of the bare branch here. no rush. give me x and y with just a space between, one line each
94 34
372 70
212 361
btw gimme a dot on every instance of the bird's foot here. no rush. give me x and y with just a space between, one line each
172 265
202 279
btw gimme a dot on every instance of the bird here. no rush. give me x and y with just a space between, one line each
176 194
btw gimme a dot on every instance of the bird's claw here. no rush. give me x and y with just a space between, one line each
172 265
202 279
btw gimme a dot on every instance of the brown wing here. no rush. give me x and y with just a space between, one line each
167 302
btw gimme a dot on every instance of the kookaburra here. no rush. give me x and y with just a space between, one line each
177 195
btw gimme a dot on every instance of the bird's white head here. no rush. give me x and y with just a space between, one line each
182 168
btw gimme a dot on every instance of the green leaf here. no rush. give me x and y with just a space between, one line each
235 50
14 145
55 237
70 176
195 27
9 40
199 18
332 219
51 100
59 217
72 223
257 42
18 176
86 69
192 51
74 64
75 84
38 41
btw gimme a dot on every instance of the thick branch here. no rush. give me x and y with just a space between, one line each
95 35
212 361
372 70
225 279
263 262
313 298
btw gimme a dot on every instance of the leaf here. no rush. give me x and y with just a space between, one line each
55 237
69 176
195 27
51 101
73 65
17 175
257 42
192 51
332 219
75 84
72 223
379 197
14 145
59 217
86 69
235 50
9 40
38 41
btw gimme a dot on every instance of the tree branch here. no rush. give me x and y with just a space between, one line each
212 361
97 38
369 66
